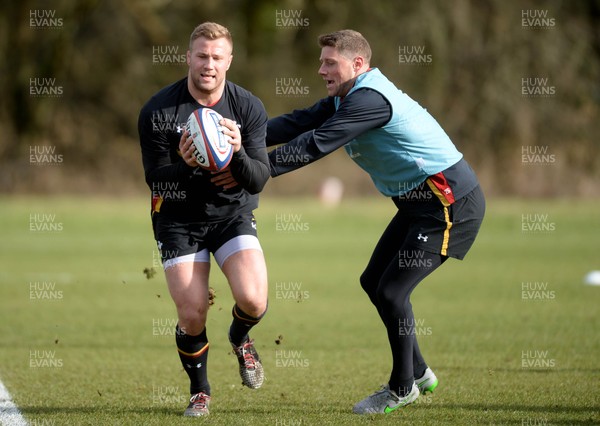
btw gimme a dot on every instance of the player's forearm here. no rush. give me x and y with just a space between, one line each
159 165
298 153
251 172
286 127
166 172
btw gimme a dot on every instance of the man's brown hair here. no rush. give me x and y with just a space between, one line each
348 42
211 31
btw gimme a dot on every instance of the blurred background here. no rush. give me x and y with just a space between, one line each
516 84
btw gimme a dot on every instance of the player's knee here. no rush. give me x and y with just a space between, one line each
363 281
252 304
191 320
387 297
253 307
366 281
369 285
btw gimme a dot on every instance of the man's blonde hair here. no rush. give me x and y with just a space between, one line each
349 43
211 31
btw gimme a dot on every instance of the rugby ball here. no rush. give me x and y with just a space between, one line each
212 148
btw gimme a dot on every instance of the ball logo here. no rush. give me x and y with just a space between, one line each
201 159
222 144
213 150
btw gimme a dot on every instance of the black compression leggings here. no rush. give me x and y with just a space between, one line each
393 272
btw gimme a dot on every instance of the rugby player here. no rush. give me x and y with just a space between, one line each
196 212
411 160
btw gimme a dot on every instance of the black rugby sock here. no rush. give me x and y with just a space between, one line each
241 325
193 353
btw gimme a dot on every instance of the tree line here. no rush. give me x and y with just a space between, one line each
516 84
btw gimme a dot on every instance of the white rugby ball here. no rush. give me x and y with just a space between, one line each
213 150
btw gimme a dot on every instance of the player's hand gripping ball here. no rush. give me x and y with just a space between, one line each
212 148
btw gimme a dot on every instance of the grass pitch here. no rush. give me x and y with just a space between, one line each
511 332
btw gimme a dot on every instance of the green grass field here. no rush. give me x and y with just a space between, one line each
511 332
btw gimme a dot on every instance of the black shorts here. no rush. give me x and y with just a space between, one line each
192 242
449 231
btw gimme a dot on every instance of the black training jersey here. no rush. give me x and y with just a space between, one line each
186 194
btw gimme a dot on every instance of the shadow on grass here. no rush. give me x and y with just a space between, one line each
115 410
104 410
553 370
550 408
516 414
531 414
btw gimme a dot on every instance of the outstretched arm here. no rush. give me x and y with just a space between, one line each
286 127
363 110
